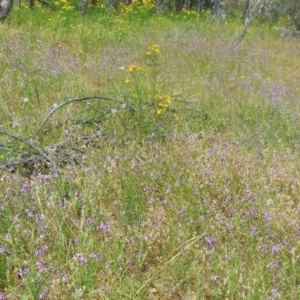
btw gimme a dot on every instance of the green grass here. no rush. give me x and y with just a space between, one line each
146 199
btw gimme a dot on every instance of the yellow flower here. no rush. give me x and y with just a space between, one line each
163 103
158 97
127 80
153 49
133 68
167 100
160 111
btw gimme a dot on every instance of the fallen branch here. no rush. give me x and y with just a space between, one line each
57 154
97 98
37 149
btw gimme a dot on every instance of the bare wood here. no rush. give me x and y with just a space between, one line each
247 23
5 7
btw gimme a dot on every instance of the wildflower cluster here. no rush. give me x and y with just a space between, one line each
64 5
153 53
189 12
133 68
153 49
164 103
141 87
138 9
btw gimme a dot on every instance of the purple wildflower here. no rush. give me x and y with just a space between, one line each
262 248
41 217
40 267
214 277
274 292
89 221
43 293
65 279
29 213
211 242
25 188
132 262
80 258
104 226
40 251
275 250
8 193
273 265
96 256
22 272
151 200
253 231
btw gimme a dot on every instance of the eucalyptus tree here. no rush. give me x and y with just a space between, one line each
5 7
218 7
292 9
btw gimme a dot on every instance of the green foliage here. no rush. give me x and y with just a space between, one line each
177 168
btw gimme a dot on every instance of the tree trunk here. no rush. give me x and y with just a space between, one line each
245 10
84 4
114 4
203 4
179 5
218 7
31 4
5 6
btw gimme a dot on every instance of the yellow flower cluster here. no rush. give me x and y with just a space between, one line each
153 49
164 103
125 9
64 5
133 68
148 3
189 12
137 5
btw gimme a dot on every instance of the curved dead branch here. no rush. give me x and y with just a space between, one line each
37 149
96 98
60 153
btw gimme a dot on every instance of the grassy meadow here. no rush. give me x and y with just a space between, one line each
141 157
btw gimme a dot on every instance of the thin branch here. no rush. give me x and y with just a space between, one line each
41 152
95 118
203 114
12 162
179 251
14 150
54 109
